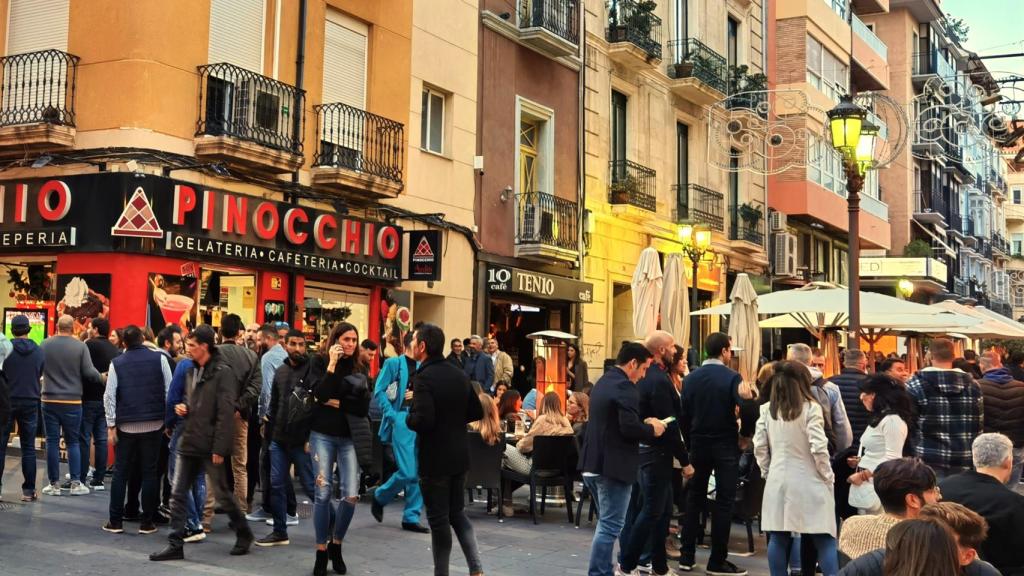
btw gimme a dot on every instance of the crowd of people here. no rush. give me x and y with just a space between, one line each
881 473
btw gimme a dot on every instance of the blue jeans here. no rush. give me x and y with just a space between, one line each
197 496
328 450
403 446
612 498
281 460
24 411
781 543
94 428
69 418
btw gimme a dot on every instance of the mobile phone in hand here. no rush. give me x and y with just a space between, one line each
669 420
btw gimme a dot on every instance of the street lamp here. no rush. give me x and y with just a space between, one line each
696 244
854 138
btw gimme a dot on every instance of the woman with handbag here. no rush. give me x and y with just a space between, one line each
792 451
891 411
342 398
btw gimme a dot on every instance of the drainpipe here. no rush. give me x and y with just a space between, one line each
297 114
581 161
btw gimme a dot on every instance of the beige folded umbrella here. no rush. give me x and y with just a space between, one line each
743 327
647 286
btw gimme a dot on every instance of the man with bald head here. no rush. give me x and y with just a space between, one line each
650 507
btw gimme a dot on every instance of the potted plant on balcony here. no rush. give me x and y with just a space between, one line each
742 84
917 249
624 188
631 25
750 214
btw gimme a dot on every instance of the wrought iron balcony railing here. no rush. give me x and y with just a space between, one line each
960 287
631 21
955 219
544 219
560 17
691 58
747 222
242 104
357 140
38 88
633 184
707 207
929 199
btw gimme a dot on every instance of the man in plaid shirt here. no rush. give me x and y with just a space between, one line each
949 412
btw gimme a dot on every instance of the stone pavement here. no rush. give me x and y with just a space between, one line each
61 536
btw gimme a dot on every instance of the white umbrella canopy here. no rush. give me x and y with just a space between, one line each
675 303
823 298
1014 328
941 322
647 288
743 328
988 326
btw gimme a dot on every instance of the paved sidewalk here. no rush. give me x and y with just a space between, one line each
61 536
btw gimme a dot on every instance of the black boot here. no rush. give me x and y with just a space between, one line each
243 540
337 562
169 553
320 568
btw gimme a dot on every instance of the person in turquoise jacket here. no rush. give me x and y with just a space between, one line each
393 385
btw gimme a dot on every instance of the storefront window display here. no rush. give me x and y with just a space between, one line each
326 306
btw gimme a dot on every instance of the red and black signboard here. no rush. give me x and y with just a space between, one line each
122 212
424 255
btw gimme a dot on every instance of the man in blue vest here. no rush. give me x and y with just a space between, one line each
135 421
393 387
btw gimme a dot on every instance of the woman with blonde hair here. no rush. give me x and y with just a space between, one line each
792 451
921 546
550 422
578 410
489 426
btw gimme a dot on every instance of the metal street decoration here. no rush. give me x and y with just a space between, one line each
772 131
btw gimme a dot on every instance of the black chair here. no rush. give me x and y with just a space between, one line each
485 469
553 464
749 495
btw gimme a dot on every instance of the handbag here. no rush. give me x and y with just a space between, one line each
863 496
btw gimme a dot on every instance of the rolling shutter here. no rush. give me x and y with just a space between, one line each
236 33
37 25
344 60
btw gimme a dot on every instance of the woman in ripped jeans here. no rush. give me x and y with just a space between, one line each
331 441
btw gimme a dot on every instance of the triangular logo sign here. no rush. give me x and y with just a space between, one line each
423 251
138 220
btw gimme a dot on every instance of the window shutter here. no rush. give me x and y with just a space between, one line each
344 60
37 25
236 33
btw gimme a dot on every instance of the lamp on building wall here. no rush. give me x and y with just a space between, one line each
696 245
905 288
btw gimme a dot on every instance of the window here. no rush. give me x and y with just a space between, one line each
825 71
236 33
682 170
536 147
1016 195
432 121
732 41
37 25
344 60
618 149
825 167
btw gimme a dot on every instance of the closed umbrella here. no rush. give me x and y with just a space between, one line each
675 304
743 328
647 281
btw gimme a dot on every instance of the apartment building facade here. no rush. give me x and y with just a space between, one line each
186 160
651 72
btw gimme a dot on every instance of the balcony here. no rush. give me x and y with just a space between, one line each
700 75
551 27
929 205
634 33
746 225
929 67
705 206
1014 213
246 119
955 219
960 287
632 185
999 245
358 153
869 58
546 227
37 101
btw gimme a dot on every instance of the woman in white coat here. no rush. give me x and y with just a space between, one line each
792 451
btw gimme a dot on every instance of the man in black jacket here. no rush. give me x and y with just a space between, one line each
610 458
1003 397
94 427
211 398
849 378
984 491
245 366
288 436
652 493
443 403
711 395
458 354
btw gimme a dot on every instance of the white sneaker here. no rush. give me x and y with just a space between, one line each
78 489
290 521
52 490
619 572
195 536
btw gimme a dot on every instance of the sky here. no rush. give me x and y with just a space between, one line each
995 28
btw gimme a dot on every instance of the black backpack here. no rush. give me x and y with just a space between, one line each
818 389
300 406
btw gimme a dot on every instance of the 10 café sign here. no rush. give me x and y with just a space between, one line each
538 285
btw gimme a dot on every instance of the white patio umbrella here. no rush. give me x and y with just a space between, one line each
743 328
675 303
647 287
990 325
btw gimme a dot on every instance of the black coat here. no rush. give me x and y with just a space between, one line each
210 423
658 399
443 403
5 404
610 447
286 379
1003 399
1001 507
848 381
871 563
245 365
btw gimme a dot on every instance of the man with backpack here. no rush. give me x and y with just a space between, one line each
288 419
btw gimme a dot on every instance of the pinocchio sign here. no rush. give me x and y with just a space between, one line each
119 212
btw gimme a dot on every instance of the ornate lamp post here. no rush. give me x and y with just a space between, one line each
854 137
696 244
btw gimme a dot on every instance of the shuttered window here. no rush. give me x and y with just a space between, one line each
344 60
37 25
236 33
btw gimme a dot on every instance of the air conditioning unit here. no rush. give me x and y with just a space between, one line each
784 256
777 221
257 112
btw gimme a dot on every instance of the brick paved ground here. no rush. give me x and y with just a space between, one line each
61 536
